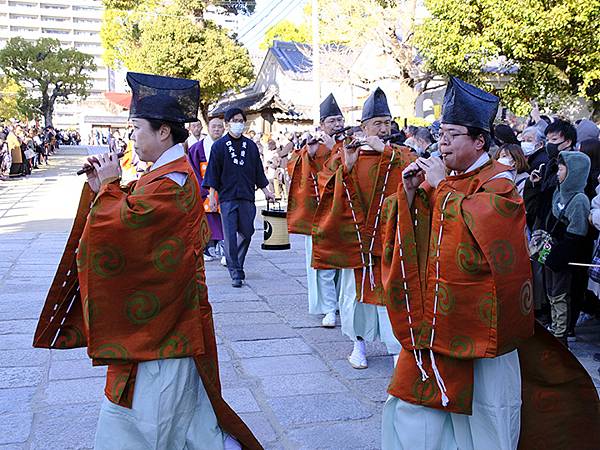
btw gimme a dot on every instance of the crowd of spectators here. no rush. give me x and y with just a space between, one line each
24 147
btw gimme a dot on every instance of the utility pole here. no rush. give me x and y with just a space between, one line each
316 60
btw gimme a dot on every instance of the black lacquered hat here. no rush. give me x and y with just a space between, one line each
469 106
329 108
163 98
376 106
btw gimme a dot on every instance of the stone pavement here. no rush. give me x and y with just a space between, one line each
284 374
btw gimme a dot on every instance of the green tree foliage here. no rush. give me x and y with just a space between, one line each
555 45
49 72
9 95
173 40
286 30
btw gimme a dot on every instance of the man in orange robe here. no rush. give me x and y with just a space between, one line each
459 295
131 287
347 226
304 168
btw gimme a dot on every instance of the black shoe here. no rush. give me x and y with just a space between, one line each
236 283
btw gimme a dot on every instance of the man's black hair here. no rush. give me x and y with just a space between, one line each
564 128
178 130
474 133
231 112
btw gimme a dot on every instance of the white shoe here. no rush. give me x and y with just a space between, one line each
208 258
396 359
329 320
358 358
223 262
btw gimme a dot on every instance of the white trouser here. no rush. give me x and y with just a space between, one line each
494 425
322 289
171 410
370 322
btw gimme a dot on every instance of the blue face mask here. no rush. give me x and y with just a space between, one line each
237 128
528 148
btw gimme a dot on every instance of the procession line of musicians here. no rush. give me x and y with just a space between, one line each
427 255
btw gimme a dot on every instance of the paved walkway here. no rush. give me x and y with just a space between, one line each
284 374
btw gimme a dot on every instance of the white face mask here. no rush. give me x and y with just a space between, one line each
237 128
506 161
528 148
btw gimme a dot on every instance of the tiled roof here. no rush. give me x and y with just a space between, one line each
293 56
250 101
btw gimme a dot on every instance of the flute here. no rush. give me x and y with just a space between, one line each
336 134
384 138
88 168
412 173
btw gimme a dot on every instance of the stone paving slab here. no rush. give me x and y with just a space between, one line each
300 384
256 349
10 341
240 307
323 334
75 369
283 365
305 409
353 435
67 355
16 400
32 357
15 428
374 389
16 327
258 318
241 400
16 377
80 390
260 426
66 427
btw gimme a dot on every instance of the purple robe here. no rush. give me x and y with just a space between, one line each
196 155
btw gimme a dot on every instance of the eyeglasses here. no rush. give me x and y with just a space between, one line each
445 135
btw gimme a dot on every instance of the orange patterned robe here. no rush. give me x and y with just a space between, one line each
303 197
457 278
140 293
347 228
463 284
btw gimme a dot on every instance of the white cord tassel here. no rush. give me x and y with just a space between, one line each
371 275
362 284
438 379
419 360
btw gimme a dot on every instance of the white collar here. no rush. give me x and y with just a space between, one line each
207 141
476 165
168 156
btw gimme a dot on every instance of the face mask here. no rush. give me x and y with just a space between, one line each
506 161
528 148
236 128
552 149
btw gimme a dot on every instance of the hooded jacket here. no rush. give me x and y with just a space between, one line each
571 208
570 194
